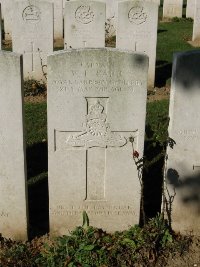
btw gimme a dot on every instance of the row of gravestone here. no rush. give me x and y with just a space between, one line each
96 102
171 8
32 31
111 14
174 8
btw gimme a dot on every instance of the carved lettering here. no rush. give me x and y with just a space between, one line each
93 210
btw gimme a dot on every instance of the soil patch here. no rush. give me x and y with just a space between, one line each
36 99
190 259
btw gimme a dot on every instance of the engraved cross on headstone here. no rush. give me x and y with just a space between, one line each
95 138
32 53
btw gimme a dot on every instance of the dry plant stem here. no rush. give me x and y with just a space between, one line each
168 199
42 66
139 166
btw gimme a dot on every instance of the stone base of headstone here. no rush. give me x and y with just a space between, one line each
194 43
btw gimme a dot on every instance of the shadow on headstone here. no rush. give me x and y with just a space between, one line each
188 78
190 185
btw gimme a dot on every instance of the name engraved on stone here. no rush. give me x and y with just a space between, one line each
137 15
84 14
31 14
79 86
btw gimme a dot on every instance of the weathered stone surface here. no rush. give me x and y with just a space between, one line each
96 101
58 18
84 24
196 25
172 8
137 30
190 8
183 166
13 209
7 9
33 35
0 27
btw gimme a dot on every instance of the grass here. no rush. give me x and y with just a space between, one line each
36 123
173 37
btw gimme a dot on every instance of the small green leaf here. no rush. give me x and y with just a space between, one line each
88 247
85 220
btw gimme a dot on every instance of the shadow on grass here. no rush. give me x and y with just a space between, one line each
152 176
161 30
37 159
38 204
38 197
163 73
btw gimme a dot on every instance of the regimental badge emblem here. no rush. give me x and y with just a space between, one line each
96 131
84 14
137 15
31 14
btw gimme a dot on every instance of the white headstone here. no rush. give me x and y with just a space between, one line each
1 9
33 35
0 28
7 9
196 25
13 204
96 101
190 8
153 1
58 19
137 30
183 164
112 13
84 24
172 8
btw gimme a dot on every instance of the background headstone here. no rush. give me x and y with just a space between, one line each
0 28
196 25
58 18
13 196
137 30
33 35
172 8
112 13
183 164
84 24
7 10
190 8
96 101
